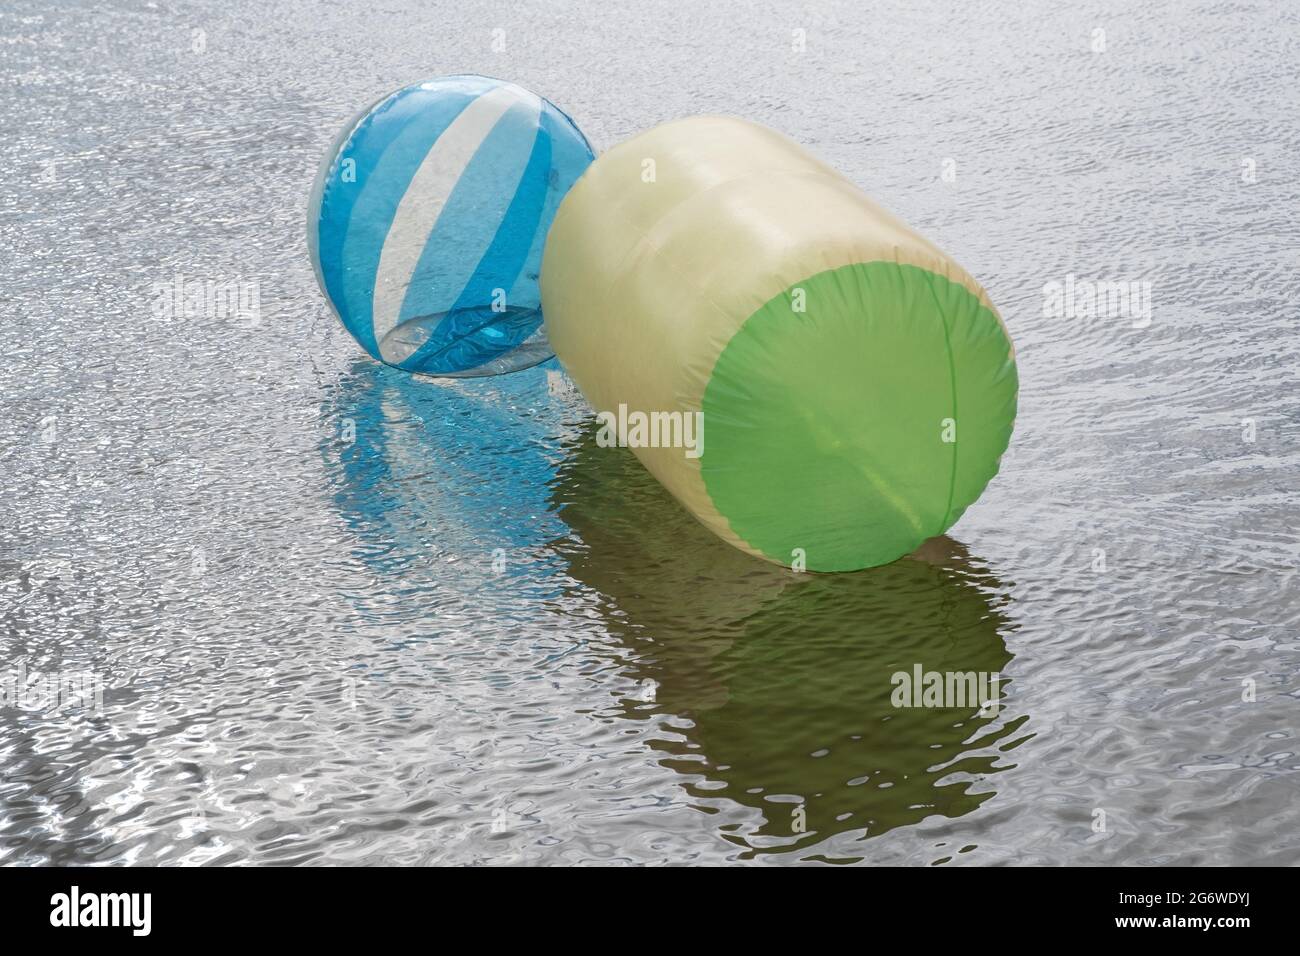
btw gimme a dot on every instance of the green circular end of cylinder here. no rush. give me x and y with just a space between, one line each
857 414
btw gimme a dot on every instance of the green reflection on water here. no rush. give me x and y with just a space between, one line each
783 680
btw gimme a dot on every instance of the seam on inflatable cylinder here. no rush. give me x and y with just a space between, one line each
952 382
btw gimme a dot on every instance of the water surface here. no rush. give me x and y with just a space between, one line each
340 615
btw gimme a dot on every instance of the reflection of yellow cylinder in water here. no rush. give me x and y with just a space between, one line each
855 385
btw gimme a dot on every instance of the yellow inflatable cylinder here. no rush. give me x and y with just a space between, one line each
852 387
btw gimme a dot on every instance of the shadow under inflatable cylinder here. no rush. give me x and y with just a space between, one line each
855 386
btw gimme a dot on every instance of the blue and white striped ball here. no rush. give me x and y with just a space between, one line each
428 220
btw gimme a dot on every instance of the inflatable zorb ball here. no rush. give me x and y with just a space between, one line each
428 218
852 387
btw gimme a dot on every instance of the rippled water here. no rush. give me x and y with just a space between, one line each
341 615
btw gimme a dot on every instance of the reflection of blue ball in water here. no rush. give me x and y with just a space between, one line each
428 218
